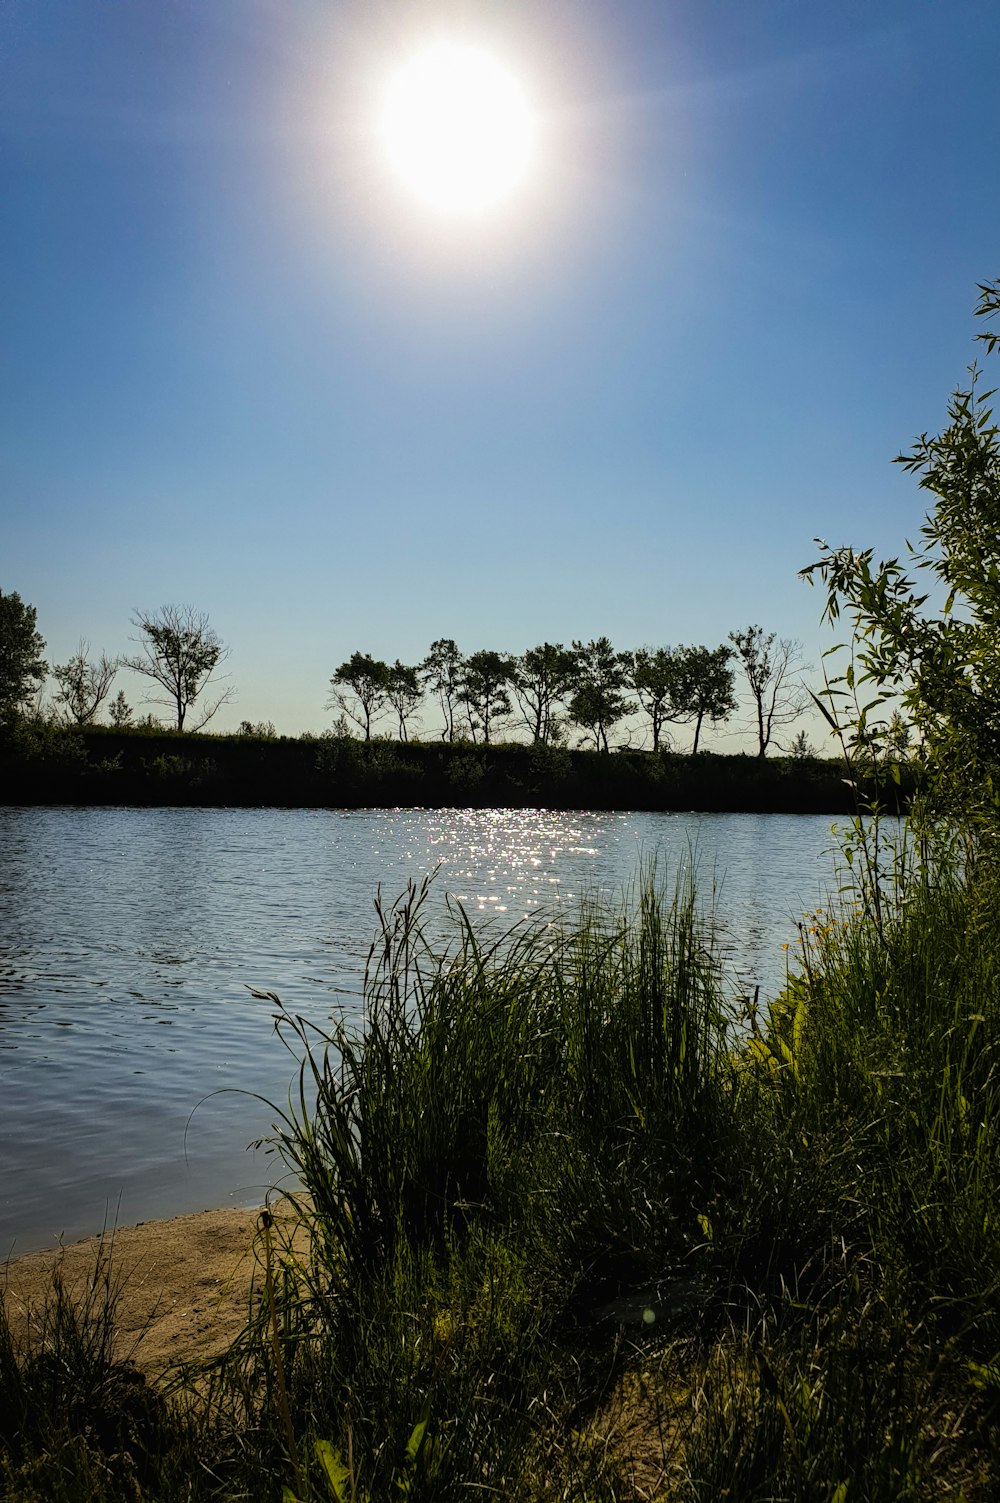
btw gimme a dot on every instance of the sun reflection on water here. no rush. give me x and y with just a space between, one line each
129 939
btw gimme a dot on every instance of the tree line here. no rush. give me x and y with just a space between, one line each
545 691
590 686
178 651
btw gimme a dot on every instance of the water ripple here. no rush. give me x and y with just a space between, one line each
130 940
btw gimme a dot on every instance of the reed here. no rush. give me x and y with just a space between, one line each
513 1134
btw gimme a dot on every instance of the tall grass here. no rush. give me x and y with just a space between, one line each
78 1421
512 1135
557 1177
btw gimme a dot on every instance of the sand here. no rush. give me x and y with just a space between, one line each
186 1284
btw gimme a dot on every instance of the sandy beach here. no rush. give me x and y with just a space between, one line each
186 1283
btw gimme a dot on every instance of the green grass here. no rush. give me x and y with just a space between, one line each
77 1418
580 1229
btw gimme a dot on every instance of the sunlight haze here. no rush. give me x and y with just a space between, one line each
457 128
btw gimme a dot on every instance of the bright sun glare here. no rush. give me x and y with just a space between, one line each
457 128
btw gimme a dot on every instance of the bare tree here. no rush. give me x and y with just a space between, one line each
180 652
83 685
770 663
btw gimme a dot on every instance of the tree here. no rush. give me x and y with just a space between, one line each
769 662
120 711
542 679
442 670
655 676
897 736
484 690
179 651
83 685
602 679
677 685
405 694
360 687
22 667
708 688
941 668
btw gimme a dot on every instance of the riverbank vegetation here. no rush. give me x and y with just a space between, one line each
42 763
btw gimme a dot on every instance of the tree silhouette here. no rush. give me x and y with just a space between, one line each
769 663
22 667
602 679
360 687
179 651
542 678
442 670
83 685
404 694
484 690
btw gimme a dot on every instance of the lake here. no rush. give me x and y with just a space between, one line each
132 1054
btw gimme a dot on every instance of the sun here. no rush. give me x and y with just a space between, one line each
457 128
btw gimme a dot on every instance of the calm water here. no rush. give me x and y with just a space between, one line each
128 938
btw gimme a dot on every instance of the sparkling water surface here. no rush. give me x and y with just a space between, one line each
132 1053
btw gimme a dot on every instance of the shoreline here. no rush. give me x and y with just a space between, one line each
186 1283
99 766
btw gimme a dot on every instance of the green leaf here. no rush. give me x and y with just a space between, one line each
415 1442
984 1375
821 707
336 1471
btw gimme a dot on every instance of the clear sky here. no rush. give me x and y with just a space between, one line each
244 367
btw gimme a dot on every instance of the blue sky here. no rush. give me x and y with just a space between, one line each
243 369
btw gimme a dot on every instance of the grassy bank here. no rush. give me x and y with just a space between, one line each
583 1227
101 766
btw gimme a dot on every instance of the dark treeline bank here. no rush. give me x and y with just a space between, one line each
98 766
